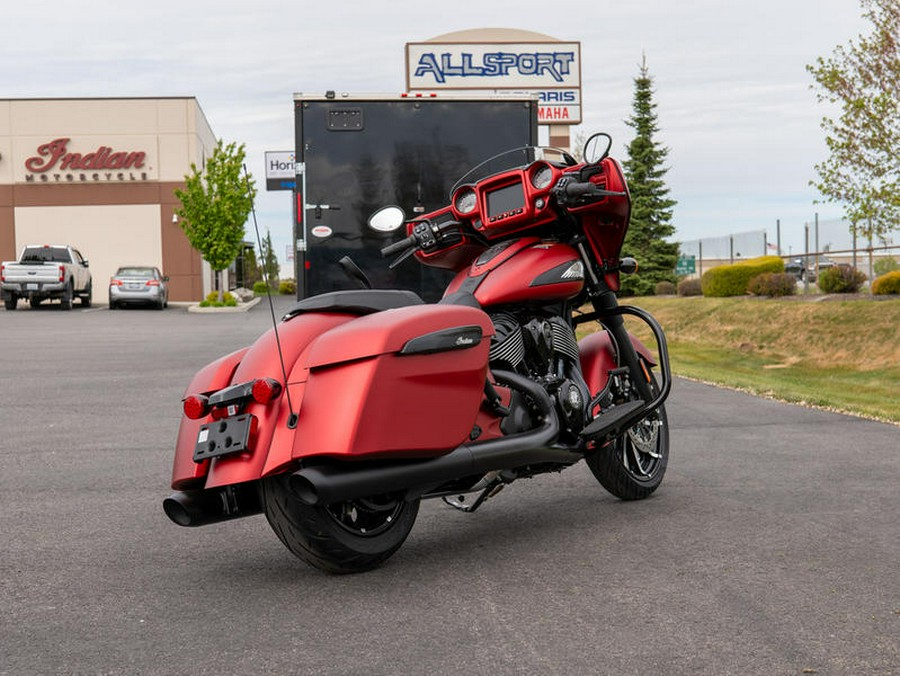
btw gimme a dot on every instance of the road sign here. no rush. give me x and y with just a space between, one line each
685 265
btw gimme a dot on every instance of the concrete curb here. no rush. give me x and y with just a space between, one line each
242 307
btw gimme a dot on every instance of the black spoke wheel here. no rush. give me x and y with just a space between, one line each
632 466
344 537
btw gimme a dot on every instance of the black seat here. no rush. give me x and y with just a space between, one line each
355 301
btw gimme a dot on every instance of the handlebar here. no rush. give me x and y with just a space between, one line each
399 246
582 188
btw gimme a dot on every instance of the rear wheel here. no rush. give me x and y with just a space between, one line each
68 294
344 537
11 301
632 466
34 301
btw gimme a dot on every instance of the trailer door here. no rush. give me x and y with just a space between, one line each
364 154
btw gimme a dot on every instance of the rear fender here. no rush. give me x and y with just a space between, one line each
598 357
214 376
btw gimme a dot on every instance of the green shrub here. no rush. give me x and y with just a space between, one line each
773 284
732 280
885 265
260 288
664 289
690 287
287 287
212 300
886 284
840 279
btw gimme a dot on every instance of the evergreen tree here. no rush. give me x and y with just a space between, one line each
269 259
651 208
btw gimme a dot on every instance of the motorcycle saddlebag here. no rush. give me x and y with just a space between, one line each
402 383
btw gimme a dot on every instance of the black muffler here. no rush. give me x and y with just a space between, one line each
325 484
202 507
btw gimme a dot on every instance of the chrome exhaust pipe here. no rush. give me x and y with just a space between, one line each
326 484
202 507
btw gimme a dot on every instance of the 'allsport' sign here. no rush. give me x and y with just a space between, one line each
552 70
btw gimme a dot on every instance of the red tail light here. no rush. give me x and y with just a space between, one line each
265 390
152 282
62 273
196 406
115 282
2 273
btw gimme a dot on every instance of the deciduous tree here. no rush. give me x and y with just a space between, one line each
862 78
215 204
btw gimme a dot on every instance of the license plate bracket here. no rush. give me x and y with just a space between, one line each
223 437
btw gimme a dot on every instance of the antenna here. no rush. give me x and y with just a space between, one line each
293 417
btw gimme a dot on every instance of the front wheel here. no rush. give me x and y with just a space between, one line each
344 537
87 295
632 466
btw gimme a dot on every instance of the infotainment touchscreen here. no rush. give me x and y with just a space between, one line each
504 200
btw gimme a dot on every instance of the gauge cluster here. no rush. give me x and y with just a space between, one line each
508 201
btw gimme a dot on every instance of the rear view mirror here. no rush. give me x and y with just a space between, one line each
387 219
597 148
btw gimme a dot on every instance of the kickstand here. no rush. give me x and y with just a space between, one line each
494 487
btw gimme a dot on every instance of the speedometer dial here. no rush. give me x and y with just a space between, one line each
541 177
466 201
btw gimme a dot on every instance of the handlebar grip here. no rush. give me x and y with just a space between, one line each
401 245
577 189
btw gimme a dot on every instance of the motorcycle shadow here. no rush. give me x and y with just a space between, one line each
539 517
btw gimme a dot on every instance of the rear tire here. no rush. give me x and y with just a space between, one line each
34 302
11 302
86 297
345 537
66 300
632 466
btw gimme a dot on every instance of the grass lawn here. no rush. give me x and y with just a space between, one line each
824 351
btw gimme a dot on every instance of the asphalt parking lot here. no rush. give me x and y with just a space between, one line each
772 546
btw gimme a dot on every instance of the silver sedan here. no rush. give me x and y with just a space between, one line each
138 285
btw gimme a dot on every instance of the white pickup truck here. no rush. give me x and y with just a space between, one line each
46 271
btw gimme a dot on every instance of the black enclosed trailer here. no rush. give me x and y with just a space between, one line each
356 153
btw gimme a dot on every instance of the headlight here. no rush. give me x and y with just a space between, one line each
466 201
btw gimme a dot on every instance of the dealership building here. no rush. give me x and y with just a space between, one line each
100 175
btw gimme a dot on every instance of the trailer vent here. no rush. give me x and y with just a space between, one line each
345 119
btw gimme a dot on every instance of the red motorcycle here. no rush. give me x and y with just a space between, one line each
361 403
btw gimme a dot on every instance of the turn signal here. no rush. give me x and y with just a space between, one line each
265 390
196 406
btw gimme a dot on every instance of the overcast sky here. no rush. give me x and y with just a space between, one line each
733 97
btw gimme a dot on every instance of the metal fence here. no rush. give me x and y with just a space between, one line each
833 238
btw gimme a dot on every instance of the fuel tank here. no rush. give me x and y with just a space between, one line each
525 270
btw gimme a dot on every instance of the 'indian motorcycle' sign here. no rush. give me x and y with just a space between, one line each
55 164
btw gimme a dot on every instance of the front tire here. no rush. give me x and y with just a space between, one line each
87 296
632 466
345 537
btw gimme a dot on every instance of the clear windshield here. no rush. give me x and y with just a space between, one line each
514 159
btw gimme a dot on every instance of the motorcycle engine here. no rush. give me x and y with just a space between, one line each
544 349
